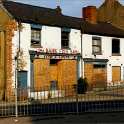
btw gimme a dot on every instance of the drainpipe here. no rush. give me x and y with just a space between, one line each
82 67
16 71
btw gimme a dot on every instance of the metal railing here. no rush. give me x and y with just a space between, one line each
34 101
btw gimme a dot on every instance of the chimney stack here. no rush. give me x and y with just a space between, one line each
58 10
89 14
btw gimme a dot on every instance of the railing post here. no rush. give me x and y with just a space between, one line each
16 103
77 109
16 99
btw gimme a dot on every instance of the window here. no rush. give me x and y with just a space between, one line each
116 73
53 61
115 46
65 38
96 45
99 66
35 37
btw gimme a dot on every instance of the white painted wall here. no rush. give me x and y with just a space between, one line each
50 38
106 53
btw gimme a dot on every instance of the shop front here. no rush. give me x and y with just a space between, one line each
95 70
53 69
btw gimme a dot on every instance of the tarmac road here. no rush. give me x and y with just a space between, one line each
86 118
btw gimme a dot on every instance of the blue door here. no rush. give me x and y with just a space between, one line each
22 79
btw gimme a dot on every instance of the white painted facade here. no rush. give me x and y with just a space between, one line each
50 38
106 53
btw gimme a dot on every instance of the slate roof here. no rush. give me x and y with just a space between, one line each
46 16
34 14
101 28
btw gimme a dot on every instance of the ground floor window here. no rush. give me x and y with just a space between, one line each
53 73
99 66
116 73
96 74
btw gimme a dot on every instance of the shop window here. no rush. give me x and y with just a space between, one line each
99 66
53 61
115 47
96 45
65 38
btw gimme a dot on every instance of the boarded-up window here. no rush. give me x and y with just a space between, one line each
41 73
116 73
67 74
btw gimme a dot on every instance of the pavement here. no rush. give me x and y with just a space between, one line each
86 118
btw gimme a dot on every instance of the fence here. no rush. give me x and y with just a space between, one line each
63 100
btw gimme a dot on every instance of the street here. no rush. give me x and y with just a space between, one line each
99 118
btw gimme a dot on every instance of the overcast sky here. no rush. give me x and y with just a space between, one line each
69 7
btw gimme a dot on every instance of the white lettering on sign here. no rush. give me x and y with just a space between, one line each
55 57
53 50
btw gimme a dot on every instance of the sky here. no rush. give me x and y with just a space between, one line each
69 7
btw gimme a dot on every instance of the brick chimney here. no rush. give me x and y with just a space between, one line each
89 14
58 10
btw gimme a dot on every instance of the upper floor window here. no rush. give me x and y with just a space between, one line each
65 38
35 35
96 45
115 47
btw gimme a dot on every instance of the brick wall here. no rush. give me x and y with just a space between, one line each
90 14
11 26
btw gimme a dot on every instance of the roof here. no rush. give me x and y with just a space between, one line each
34 14
104 29
46 16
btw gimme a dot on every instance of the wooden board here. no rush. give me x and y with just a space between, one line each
53 72
100 77
67 74
96 77
41 73
116 73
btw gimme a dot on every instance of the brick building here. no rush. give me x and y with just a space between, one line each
111 11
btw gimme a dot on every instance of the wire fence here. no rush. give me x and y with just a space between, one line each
67 99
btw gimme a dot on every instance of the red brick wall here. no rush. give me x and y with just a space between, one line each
90 14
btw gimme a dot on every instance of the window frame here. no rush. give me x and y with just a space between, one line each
65 32
116 53
35 29
98 39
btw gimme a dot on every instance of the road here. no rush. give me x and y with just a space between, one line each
86 118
